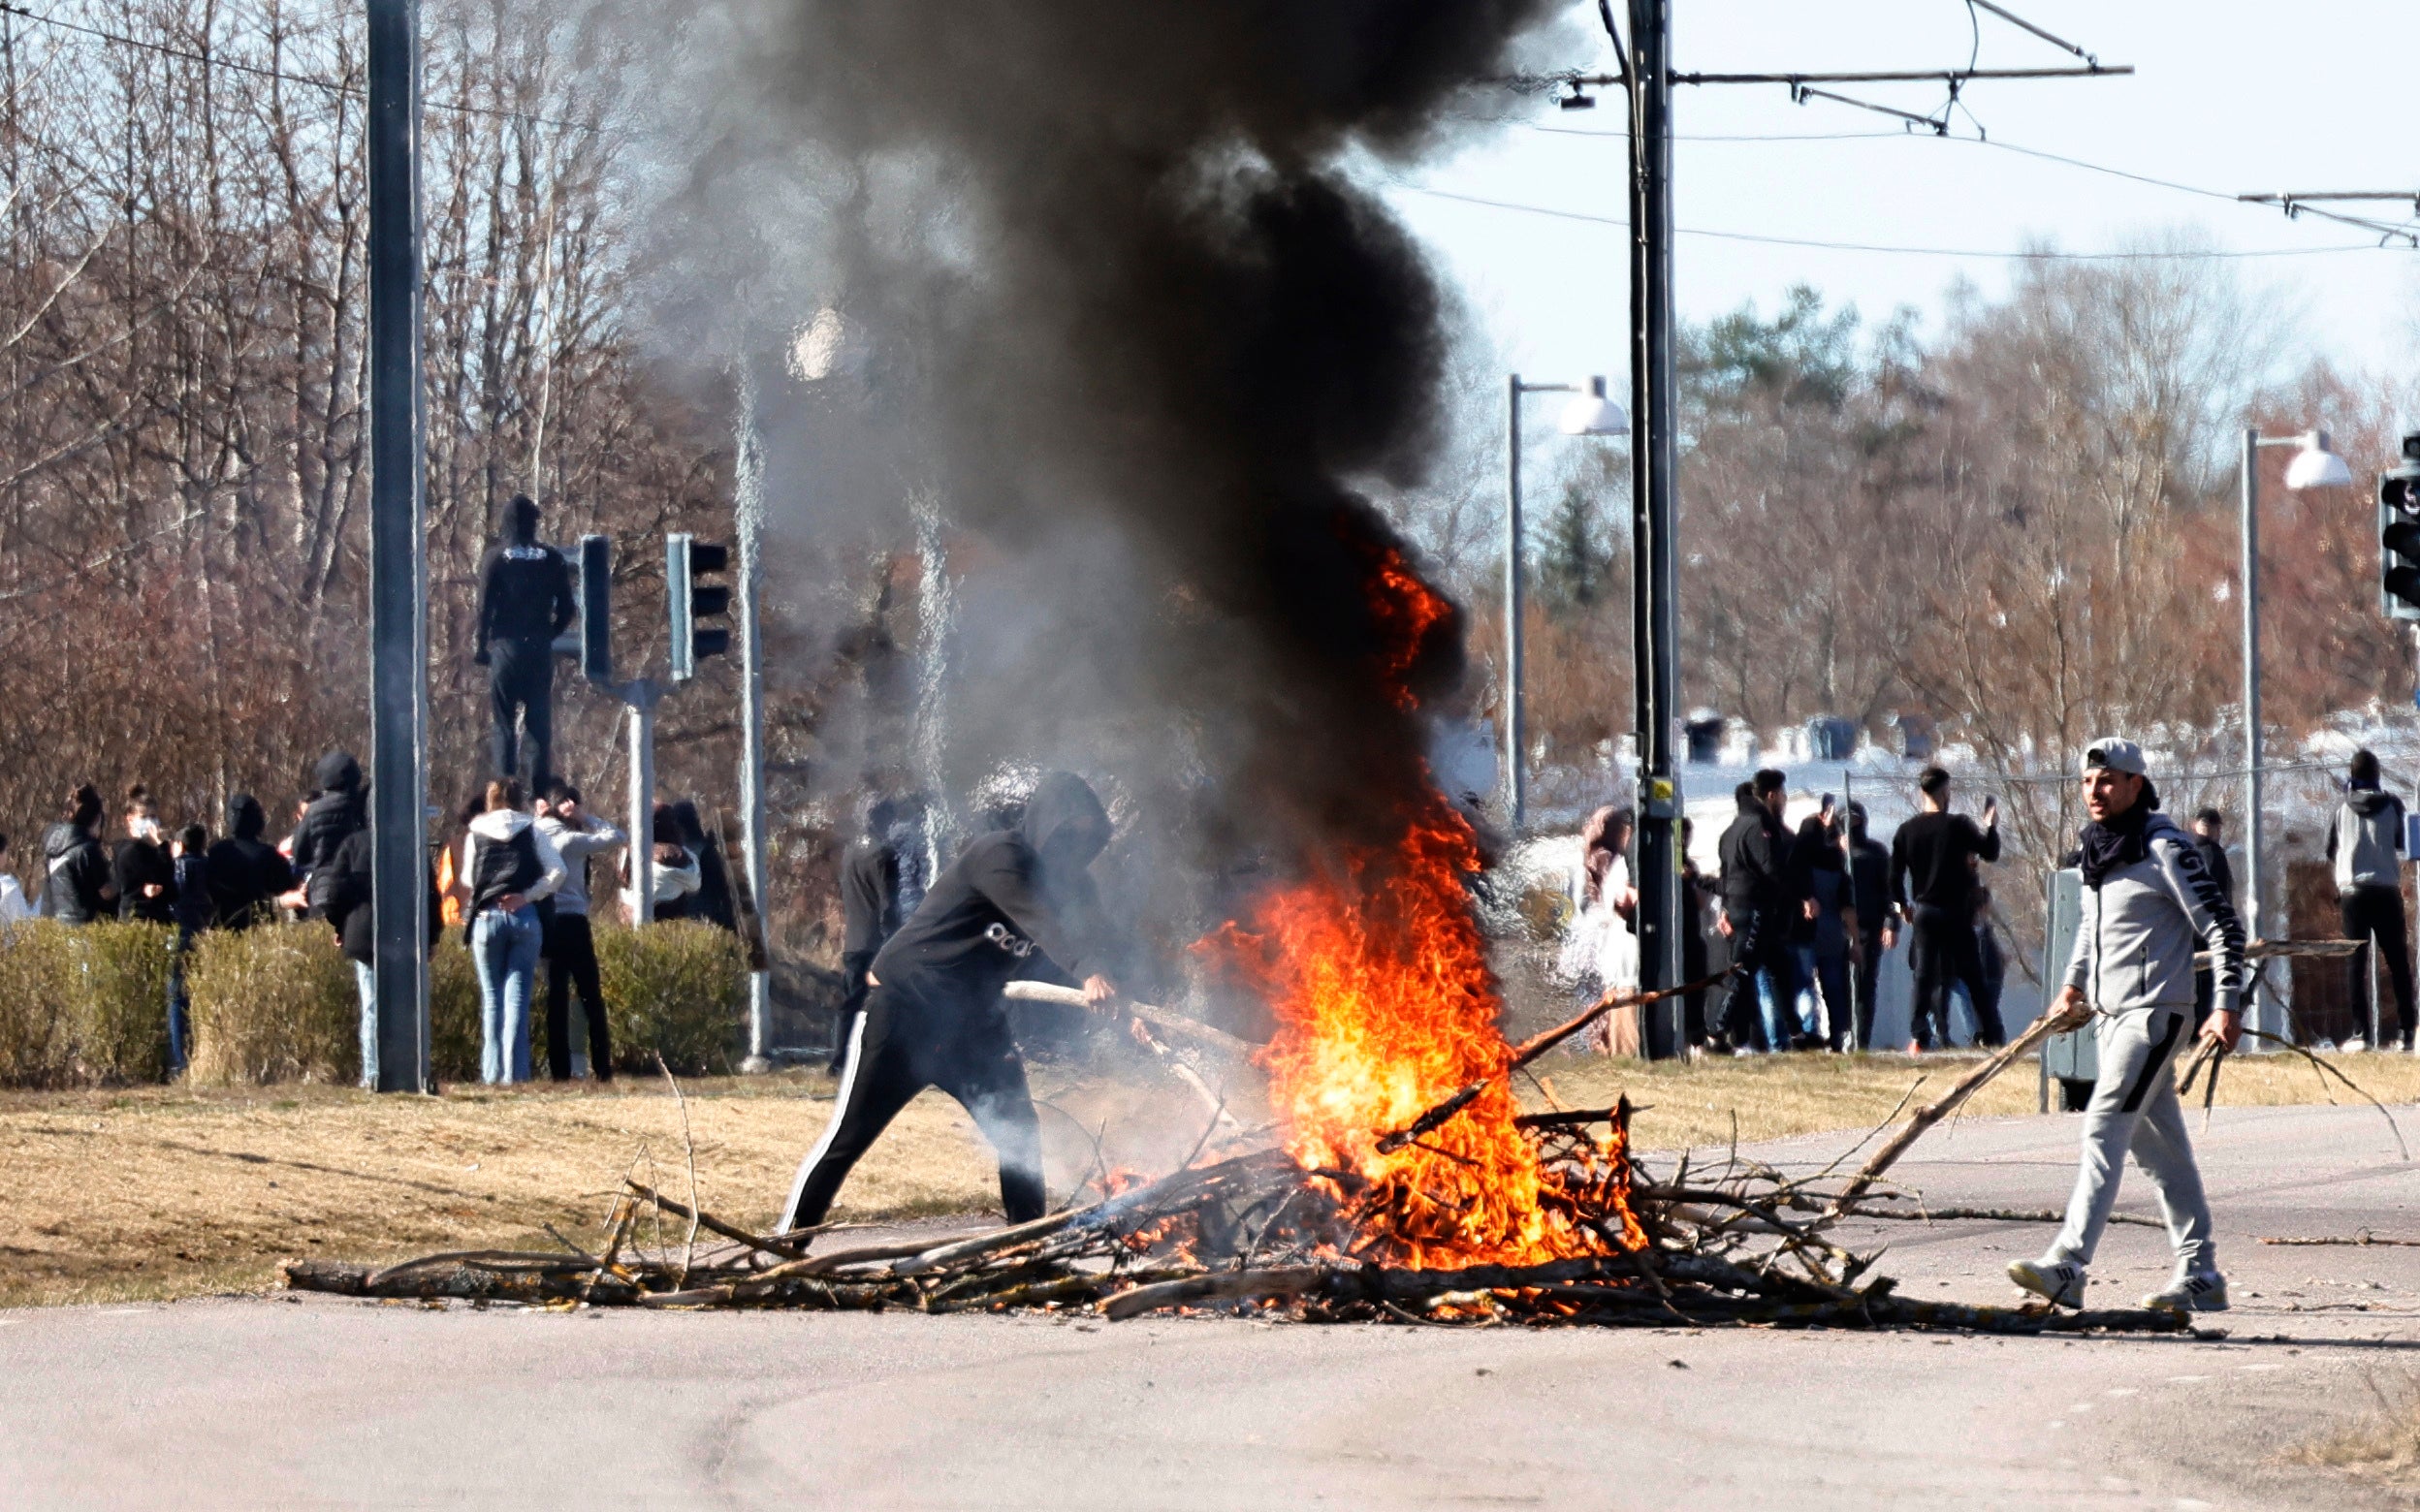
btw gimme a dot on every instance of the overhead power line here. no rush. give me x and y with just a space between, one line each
336 86
1863 247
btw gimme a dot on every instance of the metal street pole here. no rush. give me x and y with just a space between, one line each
1515 778
641 696
1654 457
750 526
399 569
2251 686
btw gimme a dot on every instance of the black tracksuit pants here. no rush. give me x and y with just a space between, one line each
1941 952
571 962
2377 913
900 1046
1865 965
521 683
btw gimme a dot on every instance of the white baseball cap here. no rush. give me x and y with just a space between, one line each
2115 755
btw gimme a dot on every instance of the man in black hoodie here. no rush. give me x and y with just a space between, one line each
2366 849
1761 896
247 875
869 913
525 601
935 1017
1933 881
338 806
76 888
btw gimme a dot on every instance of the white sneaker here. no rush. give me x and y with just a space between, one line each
2059 1282
2200 1291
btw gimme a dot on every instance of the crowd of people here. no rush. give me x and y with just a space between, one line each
518 883
1804 915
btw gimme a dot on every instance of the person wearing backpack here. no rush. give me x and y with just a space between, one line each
508 867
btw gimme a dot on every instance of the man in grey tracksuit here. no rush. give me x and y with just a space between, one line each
2149 904
2366 848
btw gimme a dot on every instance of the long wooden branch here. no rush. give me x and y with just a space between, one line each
1157 1018
1948 1103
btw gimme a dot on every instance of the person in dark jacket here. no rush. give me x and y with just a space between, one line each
1937 851
2209 837
936 1018
869 914
712 902
1821 943
345 906
77 883
525 601
248 875
2366 848
1697 896
196 911
1877 931
1760 900
340 805
143 873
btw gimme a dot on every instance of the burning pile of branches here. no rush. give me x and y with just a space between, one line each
1259 1232
1262 1232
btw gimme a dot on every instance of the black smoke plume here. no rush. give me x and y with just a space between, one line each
1141 328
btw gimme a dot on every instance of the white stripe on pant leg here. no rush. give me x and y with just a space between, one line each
840 1110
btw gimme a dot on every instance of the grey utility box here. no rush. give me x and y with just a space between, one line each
2073 1060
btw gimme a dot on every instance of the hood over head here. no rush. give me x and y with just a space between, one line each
245 819
1064 820
337 772
521 520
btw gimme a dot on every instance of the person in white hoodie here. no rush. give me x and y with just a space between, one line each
570 946
14 908
508 867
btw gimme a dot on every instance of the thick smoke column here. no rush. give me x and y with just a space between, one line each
1142 331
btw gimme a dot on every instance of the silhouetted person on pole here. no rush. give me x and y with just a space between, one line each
525 601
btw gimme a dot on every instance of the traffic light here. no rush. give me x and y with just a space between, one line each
2398 536
596 609
686 560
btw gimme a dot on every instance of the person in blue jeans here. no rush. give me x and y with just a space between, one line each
508 867
343 886
195 913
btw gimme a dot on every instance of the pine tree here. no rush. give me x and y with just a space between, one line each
1575 560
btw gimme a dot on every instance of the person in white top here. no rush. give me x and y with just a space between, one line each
1601 953
14 908
508 867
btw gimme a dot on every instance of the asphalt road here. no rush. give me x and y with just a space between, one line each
285 1402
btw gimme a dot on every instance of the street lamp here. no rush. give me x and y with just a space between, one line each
2315 466
1589 413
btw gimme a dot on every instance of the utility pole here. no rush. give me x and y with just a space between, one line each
1654 456
641 695
1646 73
1516 759
750 525
399 567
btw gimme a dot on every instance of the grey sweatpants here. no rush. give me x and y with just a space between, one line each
2134 1107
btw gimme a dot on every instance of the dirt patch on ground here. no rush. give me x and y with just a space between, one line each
162 1192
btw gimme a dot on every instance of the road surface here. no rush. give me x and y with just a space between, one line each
322 1402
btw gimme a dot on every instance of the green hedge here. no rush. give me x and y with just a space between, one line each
85 1007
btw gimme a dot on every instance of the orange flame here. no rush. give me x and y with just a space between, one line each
1378 976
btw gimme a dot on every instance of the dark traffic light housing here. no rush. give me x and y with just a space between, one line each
686 560
2398 536
596 609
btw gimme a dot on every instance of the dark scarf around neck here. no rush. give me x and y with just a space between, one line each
2105 848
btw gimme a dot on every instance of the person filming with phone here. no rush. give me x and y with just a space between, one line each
1932 880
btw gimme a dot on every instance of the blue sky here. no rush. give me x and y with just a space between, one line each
2229 95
